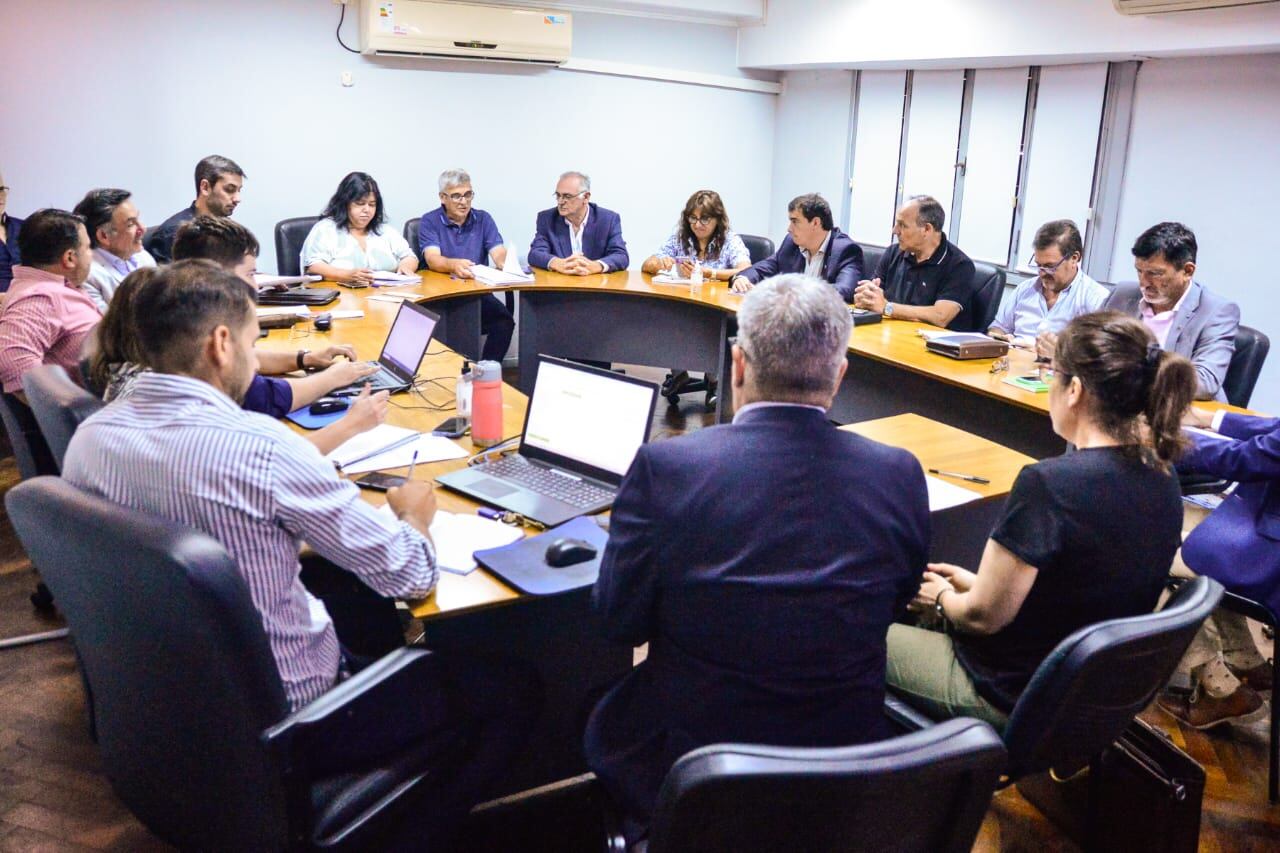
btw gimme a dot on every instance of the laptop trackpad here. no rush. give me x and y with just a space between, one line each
491 488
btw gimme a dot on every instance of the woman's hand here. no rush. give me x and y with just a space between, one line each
933 585
961 579
408 266
360 277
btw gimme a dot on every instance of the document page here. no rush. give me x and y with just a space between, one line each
944 495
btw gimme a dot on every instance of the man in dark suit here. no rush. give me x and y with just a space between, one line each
814 246
577 236
762 561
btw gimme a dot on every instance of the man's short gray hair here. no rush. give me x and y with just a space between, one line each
584 182
794 331
453 178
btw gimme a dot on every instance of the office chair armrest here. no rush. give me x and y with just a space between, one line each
903 716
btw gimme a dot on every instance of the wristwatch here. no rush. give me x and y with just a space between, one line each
302 357
937 603
888 309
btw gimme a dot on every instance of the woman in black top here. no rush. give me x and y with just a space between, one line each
1084 537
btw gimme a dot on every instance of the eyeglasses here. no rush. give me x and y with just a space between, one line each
701 220
1000 365
457 197
568 196
1052 268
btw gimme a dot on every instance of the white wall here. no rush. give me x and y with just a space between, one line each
132 93
1203 152
810 144
979 33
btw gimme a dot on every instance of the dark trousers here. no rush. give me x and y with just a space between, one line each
497 325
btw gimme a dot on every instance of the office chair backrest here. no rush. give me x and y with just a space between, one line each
758 248
925 791
59 406
988 287
30 449
183 680
1091 686
1252 347
290 235
411 236
871 256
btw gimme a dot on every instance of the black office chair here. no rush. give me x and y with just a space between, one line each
1252 347
59 406
988 287
1093 683
290 235
758 248
193 726
924 791
411 236
871 256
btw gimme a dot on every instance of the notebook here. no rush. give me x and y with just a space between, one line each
401 354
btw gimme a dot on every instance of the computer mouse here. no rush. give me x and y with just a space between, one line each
568 552
323 322
328 405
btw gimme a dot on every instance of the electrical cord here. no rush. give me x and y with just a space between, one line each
338 32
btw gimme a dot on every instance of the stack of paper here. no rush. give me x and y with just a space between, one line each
457 537
671 277
381 448
392 296
383 277
262 279
489 275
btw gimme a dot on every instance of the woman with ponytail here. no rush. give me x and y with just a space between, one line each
1084 537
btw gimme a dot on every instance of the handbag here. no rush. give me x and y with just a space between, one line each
1140 793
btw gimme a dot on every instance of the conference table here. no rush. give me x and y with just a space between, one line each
478 614
628 317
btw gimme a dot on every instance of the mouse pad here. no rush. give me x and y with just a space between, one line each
303 418
523 565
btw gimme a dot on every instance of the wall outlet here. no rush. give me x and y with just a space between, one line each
347 80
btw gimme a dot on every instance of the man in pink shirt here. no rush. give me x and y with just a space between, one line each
46 315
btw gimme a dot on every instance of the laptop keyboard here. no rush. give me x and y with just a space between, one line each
544 481
382 379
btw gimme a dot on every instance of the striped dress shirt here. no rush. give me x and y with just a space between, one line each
181 449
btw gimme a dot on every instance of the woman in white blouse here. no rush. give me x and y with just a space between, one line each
351 240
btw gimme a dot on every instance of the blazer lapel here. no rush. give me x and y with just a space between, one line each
1185 313
563 246
590 240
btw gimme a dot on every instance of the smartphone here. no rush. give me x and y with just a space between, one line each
452 428
380 482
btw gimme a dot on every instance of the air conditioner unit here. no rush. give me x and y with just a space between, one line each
1150 7
430 28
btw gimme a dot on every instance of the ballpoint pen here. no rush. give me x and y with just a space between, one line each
413 463
392 446
967 477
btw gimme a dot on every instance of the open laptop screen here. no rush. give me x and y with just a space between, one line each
593 417
408 339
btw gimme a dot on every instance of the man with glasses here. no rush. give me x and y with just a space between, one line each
10 257
577 236
1059 292
924 276
1183 314
455 237
813 246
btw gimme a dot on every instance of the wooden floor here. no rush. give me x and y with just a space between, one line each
53 795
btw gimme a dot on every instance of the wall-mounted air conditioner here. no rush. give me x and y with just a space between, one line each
1150 7
431 28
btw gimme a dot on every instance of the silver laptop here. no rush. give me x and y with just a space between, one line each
402 353
581 431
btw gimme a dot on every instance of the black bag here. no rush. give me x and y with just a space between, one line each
1141 793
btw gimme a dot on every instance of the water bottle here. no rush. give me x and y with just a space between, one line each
486 404
462 396
695 278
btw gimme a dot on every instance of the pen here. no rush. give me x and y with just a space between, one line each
392 446
413 463
968 477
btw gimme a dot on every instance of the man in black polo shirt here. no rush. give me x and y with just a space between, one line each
924 276
218 184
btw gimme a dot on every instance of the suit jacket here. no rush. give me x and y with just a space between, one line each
842 265
1204 331
601 241
1239 543
763 562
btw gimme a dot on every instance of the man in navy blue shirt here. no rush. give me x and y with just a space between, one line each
9 228
453 238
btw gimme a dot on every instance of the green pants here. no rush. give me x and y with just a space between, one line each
923 670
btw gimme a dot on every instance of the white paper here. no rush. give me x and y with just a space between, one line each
346 315
512 263
391 297
457 537
430 448
669 278
1208 433
262 279
488 275
284 311
930 334
395 277
944 495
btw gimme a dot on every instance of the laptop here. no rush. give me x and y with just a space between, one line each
401 354
581 431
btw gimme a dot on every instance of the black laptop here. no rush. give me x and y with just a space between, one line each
279 294
581 431
406 344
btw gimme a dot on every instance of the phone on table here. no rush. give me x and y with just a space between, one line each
452 428
379 481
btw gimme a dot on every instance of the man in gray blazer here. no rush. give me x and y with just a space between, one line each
1184 315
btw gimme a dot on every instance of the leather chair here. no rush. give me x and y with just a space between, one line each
871 256
1252 347
411 236
924 791
988 287
59 406
758 248
290 235
193 726
1093 683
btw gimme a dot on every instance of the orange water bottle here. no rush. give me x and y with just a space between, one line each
486 404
